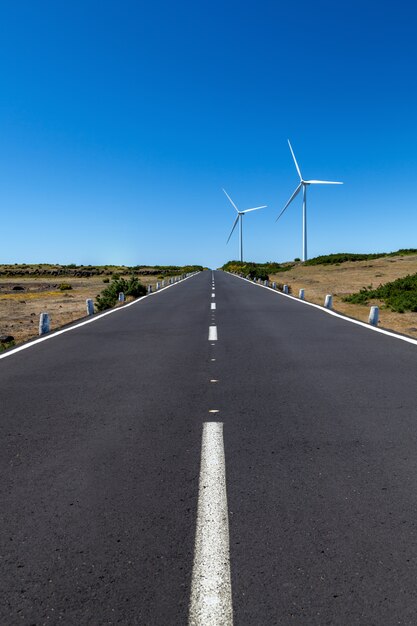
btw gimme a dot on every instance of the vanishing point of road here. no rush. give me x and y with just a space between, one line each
215 453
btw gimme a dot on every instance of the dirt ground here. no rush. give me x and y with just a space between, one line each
20 309
340 280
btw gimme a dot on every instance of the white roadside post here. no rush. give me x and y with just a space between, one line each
90 306
43 323
374 315
157 286
149 288
285 289
274 285
121 297
328 302
301 294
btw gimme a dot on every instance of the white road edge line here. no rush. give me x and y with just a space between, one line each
211 588
330 312
96 317
212 336
213 306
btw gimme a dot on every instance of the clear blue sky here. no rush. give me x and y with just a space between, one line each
121 121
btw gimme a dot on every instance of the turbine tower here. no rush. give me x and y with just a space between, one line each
239 218
304 184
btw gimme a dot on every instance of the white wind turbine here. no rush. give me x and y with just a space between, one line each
304 184
239 219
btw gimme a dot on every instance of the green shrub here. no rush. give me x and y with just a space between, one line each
7 345
106 280
399 295
109 296
256 270
65 287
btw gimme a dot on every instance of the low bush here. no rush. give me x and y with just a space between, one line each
64 287
7 344
399 295
256 270
109 296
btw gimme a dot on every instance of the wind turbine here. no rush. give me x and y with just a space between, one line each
304 184
239 219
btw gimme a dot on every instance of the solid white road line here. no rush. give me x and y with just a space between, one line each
213 306
211 590
96 317
330 312
212 336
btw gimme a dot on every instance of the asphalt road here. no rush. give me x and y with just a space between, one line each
101 450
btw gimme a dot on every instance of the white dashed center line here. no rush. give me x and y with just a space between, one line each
213 295
213 306
211 591
212 333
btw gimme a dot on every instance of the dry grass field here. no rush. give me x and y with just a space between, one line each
349 277
20 309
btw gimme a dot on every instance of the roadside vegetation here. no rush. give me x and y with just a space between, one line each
85 271
399 295
6 343
109 296
256 270
343 257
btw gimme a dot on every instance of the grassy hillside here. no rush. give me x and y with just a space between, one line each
343 257
355 281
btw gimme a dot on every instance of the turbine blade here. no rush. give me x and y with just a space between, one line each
296 192
322 182
254 209
234 226
231 200
295 160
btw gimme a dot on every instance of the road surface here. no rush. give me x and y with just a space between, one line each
157 472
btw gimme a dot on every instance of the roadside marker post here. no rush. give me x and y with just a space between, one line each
44 323
90 306
301 294
328 302
285 289
121 297
374 315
